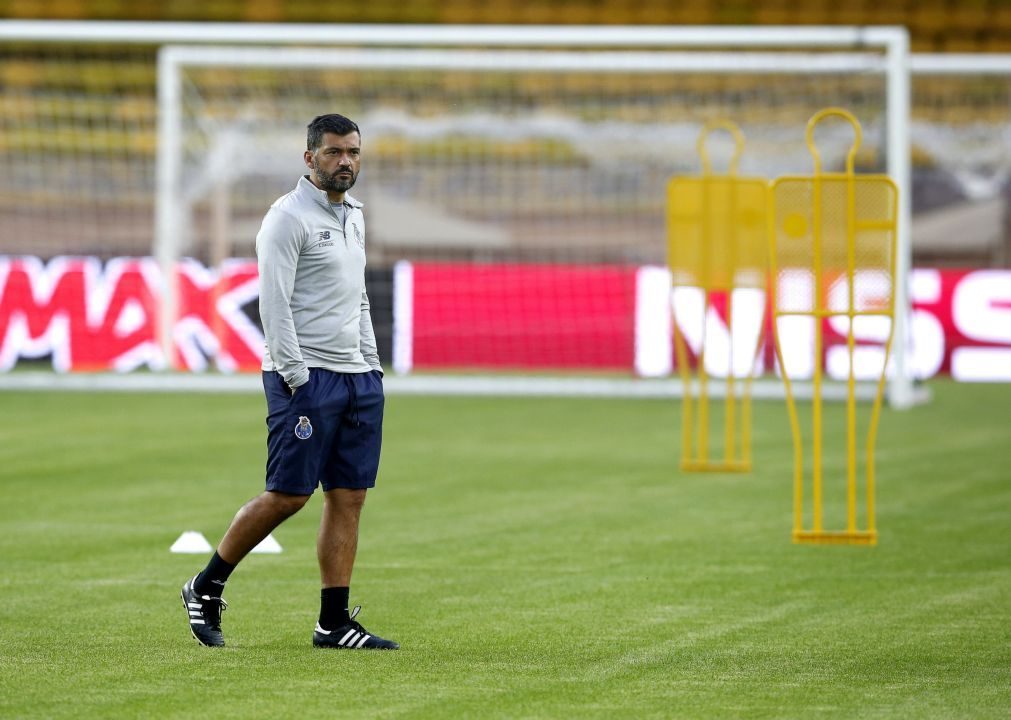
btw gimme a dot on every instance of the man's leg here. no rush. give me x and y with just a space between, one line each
350 470
255 520
336 547
292 467
337 542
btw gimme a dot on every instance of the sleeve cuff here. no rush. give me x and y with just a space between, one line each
298 379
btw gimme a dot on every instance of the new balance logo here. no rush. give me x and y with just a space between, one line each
324 238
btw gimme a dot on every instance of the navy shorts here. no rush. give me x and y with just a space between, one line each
328 433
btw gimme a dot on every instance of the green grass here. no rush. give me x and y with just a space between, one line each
535 558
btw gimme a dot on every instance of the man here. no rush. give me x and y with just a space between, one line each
323 383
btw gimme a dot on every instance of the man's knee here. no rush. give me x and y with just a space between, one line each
285 503
344 499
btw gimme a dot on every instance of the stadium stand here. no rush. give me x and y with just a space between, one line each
935 25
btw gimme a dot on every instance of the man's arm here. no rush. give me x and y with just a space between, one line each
277 248
368 335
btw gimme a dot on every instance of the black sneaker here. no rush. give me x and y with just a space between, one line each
352 636
204 614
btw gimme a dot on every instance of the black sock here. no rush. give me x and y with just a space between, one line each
333 607
212 580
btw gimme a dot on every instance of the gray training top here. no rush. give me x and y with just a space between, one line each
313 304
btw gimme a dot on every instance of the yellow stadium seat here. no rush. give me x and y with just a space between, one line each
997 42
961 43
1000 19
850 13
968 16
929 16
887 14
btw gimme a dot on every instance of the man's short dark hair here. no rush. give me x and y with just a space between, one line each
331 123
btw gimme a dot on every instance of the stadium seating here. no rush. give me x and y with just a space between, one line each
936 25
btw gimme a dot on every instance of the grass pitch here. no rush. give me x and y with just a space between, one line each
535 558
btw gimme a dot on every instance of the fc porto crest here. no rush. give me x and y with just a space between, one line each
359 238
303 431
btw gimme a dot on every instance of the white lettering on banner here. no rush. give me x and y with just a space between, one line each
130 319
39 324
195 340
796 333
242 289
981 310
981 364
796 340
687 311
981 306
871 291
653 326
87 315
926 334
92 318
748 309
131 313
749 315
403 317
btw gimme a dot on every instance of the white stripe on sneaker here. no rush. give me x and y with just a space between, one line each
358 646
194 621
196 613
321 630
349 634
195 605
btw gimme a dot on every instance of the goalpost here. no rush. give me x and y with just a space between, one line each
551 157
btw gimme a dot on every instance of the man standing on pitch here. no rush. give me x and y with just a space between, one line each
323 383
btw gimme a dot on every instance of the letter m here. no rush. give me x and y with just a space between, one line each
41 306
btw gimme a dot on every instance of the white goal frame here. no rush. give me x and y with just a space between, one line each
891 60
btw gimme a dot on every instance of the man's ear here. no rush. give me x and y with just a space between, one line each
308 159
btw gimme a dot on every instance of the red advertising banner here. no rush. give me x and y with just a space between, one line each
523 316
551 317
87 316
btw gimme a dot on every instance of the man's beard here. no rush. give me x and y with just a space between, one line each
334 183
